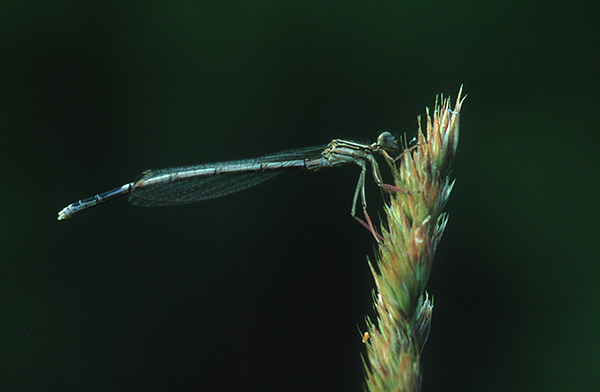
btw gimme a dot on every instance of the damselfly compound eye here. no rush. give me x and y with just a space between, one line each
386 141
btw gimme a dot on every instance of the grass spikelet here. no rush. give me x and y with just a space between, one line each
414 227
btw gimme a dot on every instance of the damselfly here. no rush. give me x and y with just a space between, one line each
189 184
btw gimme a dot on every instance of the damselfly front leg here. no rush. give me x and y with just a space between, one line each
391 162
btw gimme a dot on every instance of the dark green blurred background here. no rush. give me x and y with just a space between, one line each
263 290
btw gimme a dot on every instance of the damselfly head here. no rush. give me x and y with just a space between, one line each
387 141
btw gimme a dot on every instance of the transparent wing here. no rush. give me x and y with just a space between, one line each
190 184
179 192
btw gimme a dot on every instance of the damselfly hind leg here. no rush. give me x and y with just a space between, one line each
393 188
360 189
